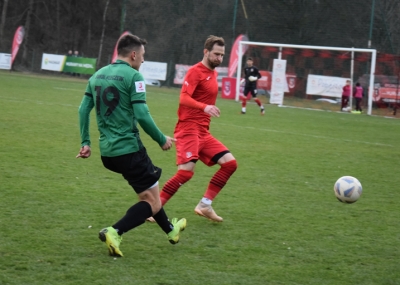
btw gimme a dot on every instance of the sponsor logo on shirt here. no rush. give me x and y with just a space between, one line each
208 78
140 86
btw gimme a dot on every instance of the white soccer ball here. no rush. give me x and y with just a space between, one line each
347 189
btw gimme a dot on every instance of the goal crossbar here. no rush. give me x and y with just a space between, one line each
281 46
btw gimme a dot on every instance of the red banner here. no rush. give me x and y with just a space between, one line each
233 60
115 54
18 37
386 94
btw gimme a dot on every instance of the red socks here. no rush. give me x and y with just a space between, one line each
257 101
244 101
217 182
220 178
173 184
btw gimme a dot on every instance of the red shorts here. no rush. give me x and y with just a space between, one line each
193 145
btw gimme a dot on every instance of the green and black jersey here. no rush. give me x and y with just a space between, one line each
118 94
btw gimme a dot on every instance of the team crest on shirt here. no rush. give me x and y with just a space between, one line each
140 86
251 69
188 154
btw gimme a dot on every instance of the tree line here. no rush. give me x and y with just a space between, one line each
176 29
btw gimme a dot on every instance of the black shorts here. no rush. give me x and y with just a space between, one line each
136 168
251 89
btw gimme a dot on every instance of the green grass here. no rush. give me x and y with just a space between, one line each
282 222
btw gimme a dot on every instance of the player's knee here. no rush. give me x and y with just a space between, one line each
156 207
184 175
153 198
230 166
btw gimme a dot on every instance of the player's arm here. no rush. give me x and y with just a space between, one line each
187 100
255 75
186 96
141 110
189 85
258 74
147 123
85 108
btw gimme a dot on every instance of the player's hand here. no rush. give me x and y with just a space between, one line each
84 152
212 110
253 78
168 143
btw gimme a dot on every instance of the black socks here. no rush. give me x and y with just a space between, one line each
135 216
162 220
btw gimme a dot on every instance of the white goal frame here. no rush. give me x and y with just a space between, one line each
281 46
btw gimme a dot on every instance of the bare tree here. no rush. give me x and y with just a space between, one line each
58 23
3 22
102 33
26 37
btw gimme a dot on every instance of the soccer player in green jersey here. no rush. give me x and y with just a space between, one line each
118 94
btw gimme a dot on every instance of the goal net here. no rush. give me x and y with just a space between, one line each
313 76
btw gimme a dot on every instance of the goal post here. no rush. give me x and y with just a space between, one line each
280 51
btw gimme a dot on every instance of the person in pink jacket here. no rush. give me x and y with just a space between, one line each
346 95
358 95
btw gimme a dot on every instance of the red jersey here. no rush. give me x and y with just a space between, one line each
201 84
346 90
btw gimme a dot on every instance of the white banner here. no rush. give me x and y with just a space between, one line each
154 70
278 83
5 61
325 85
181 70
53 62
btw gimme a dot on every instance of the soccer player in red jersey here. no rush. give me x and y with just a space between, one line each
194 141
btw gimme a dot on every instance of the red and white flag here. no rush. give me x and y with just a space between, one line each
115 54
233 60
18 38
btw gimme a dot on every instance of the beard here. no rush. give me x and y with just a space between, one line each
213 64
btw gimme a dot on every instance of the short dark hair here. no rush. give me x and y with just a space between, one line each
358 84
212 40
250 58
128 43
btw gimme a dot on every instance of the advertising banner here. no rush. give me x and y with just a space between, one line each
278 83
154 70
72 64
234 57
265 81
53 62
386 94
325 85
181 70
115 54
5 61
18 38
228 90
82 65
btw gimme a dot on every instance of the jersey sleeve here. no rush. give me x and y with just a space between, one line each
258 73
141 110
190 83
85 108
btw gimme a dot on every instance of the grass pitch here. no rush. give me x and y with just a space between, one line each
282 222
